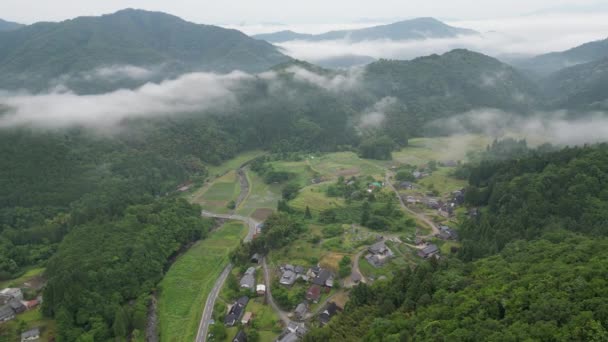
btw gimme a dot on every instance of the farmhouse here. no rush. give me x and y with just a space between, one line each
330 311
30 335
379 254
255 258
428 251
313 294
16 305
447 233
12 293
240 337
288 278
6 313
248 280
300 310
236 311
325 278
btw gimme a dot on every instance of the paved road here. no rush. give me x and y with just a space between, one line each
418 215
282 314
203 327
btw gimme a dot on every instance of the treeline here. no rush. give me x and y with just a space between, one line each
541 192
552 289
102 275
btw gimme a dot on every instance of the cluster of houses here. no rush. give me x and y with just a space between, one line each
447 233
317 275
379 254
12 303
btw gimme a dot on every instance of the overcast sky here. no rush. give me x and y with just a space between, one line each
235 12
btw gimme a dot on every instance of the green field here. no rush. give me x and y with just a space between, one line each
302 171
234 163
347 164
441 181
216 195
184 289
314 197
422 150
261 195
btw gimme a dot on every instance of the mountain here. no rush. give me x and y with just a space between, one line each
439 86
543 65
39 53
580 87
9 26
414 29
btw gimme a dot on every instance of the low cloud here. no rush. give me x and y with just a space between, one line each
375 116
517 36
59 109
335 83
117 72
559 127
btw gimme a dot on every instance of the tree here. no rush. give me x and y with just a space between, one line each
307 214
290 191
365 213
120 325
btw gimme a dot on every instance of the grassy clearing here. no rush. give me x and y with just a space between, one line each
441 181
185 288
261 195
422 150
315 198
302 171
347 164
18 282
234 163
216 195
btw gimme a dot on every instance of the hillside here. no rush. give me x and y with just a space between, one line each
43 52
414 29
546 64
9 26
438 86
580 87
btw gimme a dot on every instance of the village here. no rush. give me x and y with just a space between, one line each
305 283
12 304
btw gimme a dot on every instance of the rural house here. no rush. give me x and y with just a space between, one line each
260 289
447 233
330 311
240 337
288 278
379 254
30 335
236 311
428 251
6 313
12 293
300 310
313 294
248 280
325 278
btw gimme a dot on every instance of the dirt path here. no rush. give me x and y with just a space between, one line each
418 215
151 332
282 314
244 182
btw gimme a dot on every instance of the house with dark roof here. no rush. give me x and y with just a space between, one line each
428 251
30 335
379 254
330 311
325 278
300 310
6 313
256 258
447 233
240 337
313 294
16 305
236 311
406 185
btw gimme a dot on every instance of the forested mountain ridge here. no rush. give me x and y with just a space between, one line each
40 53
439 86
9 25
546 64
579 87
413 29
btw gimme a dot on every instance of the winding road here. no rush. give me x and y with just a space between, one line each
282 314
418 215
203 327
